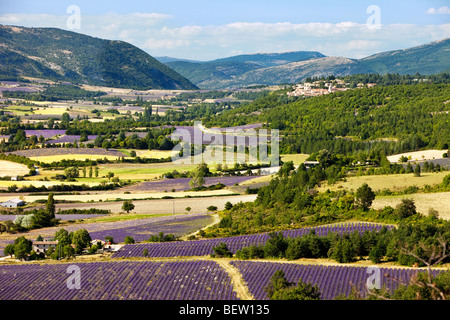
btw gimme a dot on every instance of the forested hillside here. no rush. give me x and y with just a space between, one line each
391 118
57 54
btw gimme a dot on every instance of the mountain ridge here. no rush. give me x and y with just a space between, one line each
63 55
429 58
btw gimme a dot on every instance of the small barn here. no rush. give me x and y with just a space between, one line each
13 203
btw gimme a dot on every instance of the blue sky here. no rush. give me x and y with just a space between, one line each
204 30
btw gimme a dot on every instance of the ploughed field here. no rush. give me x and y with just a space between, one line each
205 247
182 184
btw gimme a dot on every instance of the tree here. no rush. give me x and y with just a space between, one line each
90 172
212 208
365 196
198 175
228 205
222 251
96 172
72 172
417 170
22 247
405 208
50 205
81 239
9 250
127 206
277 282
303 291
63 237
110 175
128 240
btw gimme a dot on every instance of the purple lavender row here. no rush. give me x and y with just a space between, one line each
179 280
71 139
178 227
332 281
205 247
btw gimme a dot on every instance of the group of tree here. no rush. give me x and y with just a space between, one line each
423 286
384 245
68 244
352 121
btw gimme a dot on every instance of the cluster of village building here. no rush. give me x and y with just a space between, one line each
318 88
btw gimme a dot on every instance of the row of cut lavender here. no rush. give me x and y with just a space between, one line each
331 281
205 247
130 280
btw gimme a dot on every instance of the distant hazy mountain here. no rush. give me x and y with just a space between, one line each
68 56
430 58
166 59
215 73
270 69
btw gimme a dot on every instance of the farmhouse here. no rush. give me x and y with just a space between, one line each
311 164
13 203
42 246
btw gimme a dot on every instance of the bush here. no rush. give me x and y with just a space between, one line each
221 251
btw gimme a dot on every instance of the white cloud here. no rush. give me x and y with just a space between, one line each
159 35
441 10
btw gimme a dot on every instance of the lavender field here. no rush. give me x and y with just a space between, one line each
205 247
331 280
178 227
71 139
68 151
139 229
131 280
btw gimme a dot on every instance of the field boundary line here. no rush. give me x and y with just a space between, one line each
237 280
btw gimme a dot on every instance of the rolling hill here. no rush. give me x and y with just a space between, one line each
217 73
271 69
58 54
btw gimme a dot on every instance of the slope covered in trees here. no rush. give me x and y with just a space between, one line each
68 56
390 118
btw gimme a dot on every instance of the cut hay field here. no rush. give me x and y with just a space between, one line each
418 155
113 196
154 154
391 181
37 184
439 201
9 169
296 158
162 206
